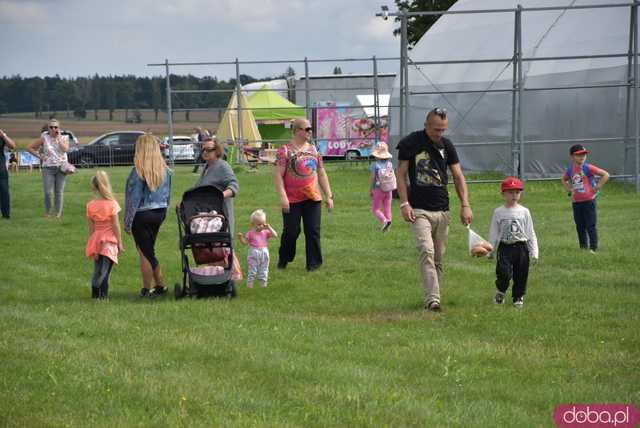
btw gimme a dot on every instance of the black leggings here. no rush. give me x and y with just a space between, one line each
100 281
145 231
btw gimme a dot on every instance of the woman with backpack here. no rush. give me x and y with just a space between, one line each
382 183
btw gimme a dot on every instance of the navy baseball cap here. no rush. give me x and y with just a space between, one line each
578 149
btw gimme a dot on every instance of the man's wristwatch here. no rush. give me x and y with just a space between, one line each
404 204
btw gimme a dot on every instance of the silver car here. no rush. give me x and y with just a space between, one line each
184 149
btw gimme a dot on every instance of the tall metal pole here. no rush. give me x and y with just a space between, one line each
521 163
169 111
403 83
239 137
376 99
514 96
630 85
636 78
405 131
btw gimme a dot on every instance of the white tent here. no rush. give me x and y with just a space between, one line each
228 129
547 115
278 85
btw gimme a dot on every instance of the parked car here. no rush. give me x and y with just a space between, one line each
113 148
184 149
73 141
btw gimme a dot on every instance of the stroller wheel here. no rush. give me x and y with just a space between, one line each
231 290
178 291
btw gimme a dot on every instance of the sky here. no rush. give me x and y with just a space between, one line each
74 38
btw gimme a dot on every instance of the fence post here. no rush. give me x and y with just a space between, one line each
307 94
629 96
636 78
514 95
403 63
521 159
376 99
239 138
169 111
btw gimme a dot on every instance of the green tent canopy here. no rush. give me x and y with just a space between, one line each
268 105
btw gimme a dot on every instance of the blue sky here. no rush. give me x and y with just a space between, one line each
83 37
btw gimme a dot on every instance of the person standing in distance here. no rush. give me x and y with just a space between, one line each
424 156
5 201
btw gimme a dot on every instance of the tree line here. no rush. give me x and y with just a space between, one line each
87 95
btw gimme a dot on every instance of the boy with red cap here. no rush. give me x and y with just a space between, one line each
579 180
514 239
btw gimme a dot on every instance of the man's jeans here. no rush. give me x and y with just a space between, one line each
431 230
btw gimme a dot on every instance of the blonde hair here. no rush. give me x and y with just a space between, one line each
150 165
101 185
258 217
299 123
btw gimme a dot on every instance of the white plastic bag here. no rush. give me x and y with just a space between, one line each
474 239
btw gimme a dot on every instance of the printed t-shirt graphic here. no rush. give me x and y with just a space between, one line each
427 173
300 178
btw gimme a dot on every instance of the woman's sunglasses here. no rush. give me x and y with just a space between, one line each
308 129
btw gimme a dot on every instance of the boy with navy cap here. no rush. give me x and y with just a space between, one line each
583 181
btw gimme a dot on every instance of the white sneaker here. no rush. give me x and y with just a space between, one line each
519 303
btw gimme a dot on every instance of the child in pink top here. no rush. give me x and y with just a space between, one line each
382 183
258 257
105 240
580 182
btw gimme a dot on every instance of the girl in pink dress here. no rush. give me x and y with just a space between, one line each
105 240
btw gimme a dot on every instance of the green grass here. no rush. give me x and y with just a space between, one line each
349 345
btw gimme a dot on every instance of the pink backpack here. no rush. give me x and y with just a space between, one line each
387 178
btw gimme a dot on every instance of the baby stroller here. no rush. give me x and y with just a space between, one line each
203 228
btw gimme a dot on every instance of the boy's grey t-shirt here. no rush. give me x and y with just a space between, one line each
511 225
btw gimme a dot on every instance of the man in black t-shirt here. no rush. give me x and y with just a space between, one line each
425 155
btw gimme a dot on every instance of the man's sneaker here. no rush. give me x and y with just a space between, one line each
499 299
434 306
144 292
592 251
519 303
386 226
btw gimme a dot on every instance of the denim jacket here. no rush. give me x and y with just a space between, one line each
138 197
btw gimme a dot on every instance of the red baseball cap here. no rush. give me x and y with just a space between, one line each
511 183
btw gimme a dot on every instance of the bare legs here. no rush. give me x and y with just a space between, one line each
149 274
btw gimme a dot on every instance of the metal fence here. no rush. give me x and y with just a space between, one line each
631 139
241 141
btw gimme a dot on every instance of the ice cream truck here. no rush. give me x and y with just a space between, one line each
346 132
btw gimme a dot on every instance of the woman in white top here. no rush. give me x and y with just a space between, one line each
51 148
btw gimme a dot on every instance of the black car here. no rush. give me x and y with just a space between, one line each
114 148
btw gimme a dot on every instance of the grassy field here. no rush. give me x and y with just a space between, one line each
23 128
349 345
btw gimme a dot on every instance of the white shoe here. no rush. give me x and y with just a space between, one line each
519 303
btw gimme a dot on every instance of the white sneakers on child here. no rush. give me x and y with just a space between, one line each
499 299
